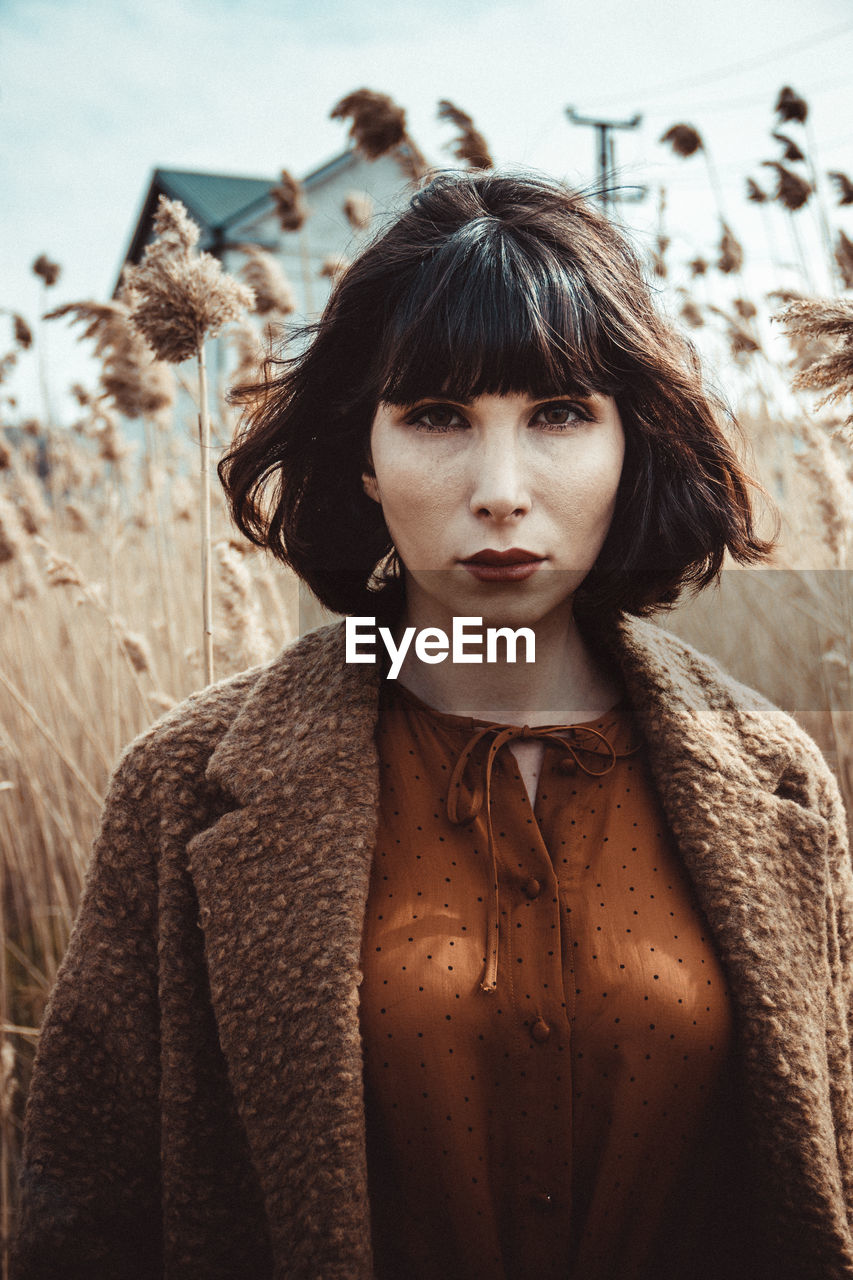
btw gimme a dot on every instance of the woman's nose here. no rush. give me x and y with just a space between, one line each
499 486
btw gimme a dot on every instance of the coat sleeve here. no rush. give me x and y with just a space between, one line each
840 995
89 1182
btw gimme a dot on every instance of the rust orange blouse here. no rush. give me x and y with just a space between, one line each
547 1031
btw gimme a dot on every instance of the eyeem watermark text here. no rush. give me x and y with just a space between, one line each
433 645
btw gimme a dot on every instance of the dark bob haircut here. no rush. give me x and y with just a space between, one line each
490 284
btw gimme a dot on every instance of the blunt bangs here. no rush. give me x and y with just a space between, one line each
487 314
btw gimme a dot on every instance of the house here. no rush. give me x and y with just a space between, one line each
232 210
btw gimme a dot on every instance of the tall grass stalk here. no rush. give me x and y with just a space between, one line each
206 538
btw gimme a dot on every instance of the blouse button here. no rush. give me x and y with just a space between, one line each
543 1200
532 888
540 1031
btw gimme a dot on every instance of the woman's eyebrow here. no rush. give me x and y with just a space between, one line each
576 393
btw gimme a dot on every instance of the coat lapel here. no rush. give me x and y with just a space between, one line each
282 884
740 807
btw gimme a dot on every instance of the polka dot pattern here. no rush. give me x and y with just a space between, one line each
539 1129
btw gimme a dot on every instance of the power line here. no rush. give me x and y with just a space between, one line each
710 107
733 68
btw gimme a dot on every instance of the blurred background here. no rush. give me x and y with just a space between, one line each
720 137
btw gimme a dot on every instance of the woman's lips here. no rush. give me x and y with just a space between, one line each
503 566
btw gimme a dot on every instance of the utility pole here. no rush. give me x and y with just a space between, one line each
604 129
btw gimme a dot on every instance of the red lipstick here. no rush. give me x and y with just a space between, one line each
503 566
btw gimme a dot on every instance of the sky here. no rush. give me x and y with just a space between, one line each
95 94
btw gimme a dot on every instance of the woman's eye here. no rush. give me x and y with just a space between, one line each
437 417
563 415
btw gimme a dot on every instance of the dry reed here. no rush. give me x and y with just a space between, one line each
358 210
833 372
792 191
178 297
23 332
843 186
469 146
47 270
265 276
791 153
377 127
289 199
790 106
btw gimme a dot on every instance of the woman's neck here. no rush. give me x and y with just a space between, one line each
567 683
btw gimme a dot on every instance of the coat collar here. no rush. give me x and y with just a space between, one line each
282 883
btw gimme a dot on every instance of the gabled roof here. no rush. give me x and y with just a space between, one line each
216 200
213 199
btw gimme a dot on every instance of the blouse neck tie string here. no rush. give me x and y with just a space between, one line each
463 806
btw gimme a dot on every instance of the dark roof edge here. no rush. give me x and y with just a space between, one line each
159 184
311 179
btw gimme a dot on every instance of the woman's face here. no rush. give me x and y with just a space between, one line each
533 477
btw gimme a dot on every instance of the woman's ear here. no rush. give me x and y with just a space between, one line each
368 478
371 488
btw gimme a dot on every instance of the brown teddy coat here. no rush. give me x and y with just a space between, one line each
196 1108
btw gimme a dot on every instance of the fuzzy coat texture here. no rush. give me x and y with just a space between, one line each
197 1104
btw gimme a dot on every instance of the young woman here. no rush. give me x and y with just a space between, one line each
396 960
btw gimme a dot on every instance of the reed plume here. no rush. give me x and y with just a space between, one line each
250 352
731 251
135 648
15 550
690 312
12 535
34 511
47 270
831 487
469 146
137 384
290 204
806 348
792 191
334 266
792 152
243 640
264 276
78 521
23 332
844 259
684 139
843 185
178 296
378 126
659 266
358 209
112 447
742 343
832 374
790 106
